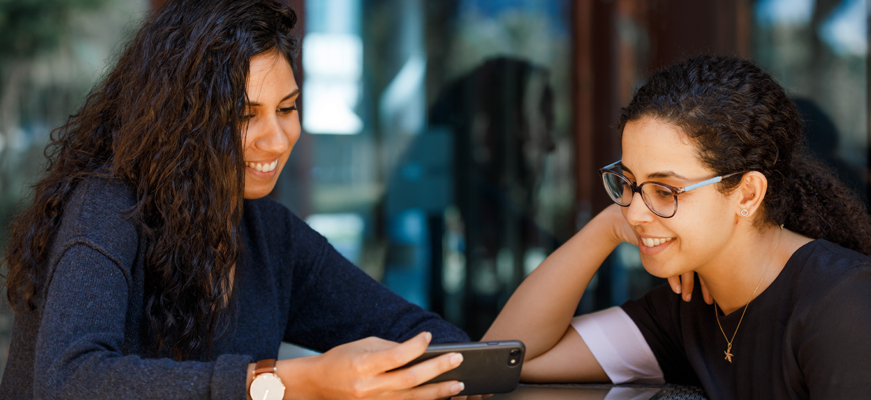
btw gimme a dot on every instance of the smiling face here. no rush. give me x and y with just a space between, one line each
702 228
272 122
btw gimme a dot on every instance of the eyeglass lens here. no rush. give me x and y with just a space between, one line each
658 198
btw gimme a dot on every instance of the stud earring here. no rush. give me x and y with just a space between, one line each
744 212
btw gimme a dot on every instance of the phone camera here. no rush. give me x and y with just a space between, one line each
514 359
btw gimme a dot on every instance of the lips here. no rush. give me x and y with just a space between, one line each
651 246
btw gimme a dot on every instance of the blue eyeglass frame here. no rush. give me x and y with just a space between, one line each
674 189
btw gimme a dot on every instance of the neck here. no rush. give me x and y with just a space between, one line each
752 259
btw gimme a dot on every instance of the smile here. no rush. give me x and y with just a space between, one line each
262 167
653 242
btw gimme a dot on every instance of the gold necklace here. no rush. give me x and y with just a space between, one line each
728 351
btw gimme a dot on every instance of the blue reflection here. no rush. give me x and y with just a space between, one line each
784 12
555 10
333 16
408 271
845 30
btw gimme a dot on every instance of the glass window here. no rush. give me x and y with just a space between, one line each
818 51
461 166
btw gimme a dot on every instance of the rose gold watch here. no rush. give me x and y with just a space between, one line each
266 385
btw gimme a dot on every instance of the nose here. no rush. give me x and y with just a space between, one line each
637 213
273 138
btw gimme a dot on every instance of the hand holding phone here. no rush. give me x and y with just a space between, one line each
487 368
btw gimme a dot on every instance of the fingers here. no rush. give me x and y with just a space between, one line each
440 390
674 282
686 282
705 294
415 375
683 285
390 355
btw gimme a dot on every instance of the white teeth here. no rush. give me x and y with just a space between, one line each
653 242
262 167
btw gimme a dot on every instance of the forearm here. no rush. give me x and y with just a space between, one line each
540 310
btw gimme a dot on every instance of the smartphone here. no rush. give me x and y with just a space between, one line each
487 368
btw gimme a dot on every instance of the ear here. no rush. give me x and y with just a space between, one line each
750 193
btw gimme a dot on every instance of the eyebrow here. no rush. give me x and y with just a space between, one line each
656 175
295 92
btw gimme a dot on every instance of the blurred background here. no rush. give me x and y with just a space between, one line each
451 145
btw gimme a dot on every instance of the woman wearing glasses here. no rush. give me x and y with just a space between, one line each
713 181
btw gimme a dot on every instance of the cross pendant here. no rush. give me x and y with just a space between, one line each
728 353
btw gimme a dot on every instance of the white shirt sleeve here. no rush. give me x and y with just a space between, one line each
618 346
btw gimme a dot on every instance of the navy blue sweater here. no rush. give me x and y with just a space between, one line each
88 337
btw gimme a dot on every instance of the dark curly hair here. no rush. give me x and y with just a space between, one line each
740 119
167 119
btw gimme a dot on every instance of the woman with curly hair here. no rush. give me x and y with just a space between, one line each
714 180
150 263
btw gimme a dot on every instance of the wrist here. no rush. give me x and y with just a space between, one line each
610 224
295 374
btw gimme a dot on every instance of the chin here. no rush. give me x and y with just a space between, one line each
256 194
659 270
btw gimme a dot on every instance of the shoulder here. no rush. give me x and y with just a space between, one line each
98 214
828 334
832 282
826 267
99 203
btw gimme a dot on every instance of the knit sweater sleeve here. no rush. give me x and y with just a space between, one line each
334 302
78 351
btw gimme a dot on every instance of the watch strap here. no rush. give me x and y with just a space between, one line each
266 366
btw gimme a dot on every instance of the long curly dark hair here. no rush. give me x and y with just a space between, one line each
740 119
167 120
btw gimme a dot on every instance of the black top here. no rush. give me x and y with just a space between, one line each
88 338
808 335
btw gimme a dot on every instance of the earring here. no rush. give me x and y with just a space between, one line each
744 212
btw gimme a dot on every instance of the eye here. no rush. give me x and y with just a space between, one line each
245 118
663 193
287 110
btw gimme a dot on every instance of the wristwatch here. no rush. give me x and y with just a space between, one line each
266 384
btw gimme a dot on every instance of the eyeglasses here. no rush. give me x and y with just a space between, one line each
660 198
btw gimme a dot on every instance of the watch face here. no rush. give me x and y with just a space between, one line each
267 387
